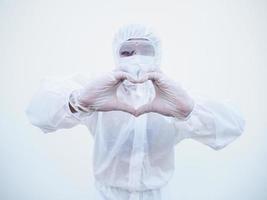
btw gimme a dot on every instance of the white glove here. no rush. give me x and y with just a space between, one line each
170 99
100 94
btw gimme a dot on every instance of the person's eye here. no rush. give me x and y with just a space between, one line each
127 53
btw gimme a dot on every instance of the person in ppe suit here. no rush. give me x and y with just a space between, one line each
136 115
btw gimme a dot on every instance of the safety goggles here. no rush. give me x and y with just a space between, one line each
136 46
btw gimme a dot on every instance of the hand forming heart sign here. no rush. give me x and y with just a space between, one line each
170 98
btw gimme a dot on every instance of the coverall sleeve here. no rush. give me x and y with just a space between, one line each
49 108
213 123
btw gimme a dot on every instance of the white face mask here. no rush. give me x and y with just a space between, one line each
137 65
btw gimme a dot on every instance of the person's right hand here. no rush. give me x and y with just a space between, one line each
100 94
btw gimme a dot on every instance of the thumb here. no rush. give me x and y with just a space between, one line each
143 109
121 106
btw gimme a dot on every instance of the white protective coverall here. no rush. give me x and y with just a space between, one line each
133 156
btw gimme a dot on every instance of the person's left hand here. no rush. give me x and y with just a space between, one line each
170 99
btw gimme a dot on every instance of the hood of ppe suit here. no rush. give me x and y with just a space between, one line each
136 31
136 94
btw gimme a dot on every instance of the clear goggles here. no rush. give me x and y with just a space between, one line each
137 46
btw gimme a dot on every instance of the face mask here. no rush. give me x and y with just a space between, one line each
137 65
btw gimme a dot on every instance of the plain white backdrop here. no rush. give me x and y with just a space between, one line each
217 48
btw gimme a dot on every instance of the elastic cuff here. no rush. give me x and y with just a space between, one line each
80 113
188 116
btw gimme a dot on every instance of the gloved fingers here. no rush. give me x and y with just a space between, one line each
121 76
132 79
154 76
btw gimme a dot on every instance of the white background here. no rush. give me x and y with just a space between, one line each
218 48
